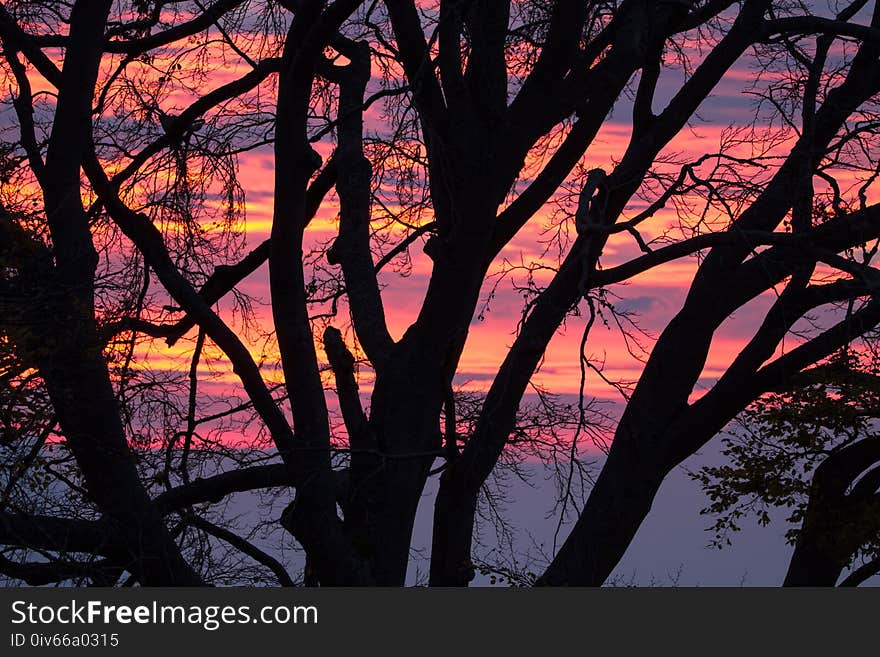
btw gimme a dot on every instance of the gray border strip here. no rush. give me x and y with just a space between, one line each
471 621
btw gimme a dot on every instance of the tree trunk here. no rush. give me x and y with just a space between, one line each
70 357
79 385
618 503
811 566
387 486
454 513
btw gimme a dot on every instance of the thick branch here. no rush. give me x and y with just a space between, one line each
342 363
226 277
243 546
13 34
352 248
177 126
203 20
820 25
57 534
52 572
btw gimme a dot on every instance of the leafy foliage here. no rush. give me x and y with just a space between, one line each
776 445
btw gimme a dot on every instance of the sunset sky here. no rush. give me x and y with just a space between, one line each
652 297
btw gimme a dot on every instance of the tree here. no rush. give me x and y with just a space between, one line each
811 448
122 227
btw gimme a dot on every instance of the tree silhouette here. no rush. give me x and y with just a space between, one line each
811 448
122 227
